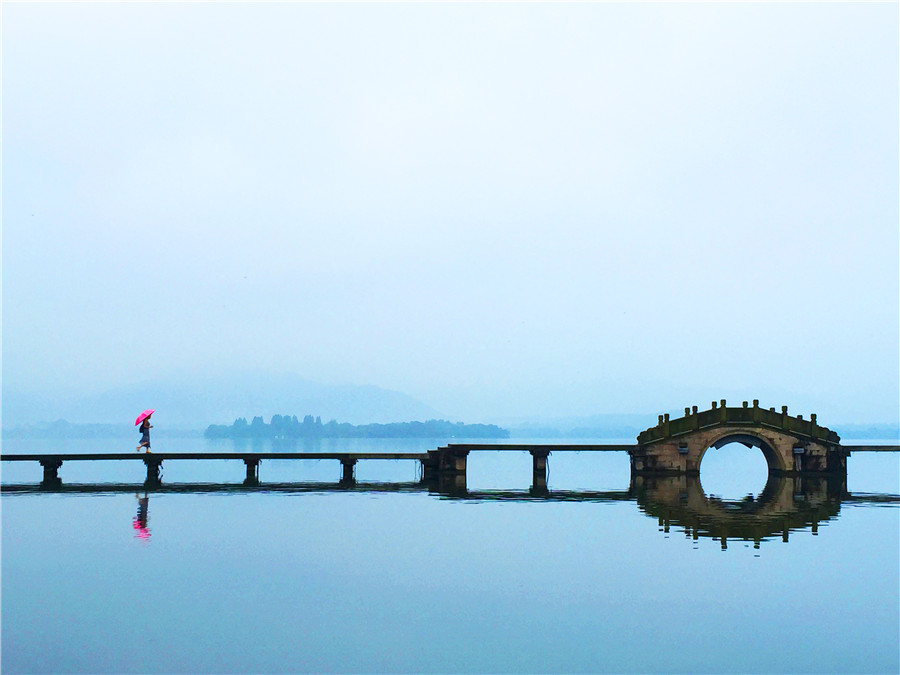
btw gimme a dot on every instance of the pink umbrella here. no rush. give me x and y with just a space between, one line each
144 415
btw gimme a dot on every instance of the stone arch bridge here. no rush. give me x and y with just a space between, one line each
791 445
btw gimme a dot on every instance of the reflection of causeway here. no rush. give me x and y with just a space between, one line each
787 503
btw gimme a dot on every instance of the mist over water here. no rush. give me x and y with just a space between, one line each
549 211
564 219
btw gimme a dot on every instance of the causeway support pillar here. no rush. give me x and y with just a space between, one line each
452 484
539 489
539 469
445 471
453 460
431 466
51 472
153 465
347 466
252 472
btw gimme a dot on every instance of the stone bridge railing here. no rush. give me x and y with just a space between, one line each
753 415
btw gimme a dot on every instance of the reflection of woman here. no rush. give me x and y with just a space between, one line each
145 434
140 520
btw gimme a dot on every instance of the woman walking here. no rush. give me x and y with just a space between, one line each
144 420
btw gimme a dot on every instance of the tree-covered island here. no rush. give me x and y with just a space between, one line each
289 426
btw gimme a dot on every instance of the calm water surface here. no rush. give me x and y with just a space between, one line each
595 575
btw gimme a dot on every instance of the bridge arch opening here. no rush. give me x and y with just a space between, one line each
736 468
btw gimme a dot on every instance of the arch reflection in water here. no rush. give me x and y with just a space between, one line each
786 503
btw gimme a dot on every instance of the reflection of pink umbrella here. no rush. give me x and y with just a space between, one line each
143 532
144 415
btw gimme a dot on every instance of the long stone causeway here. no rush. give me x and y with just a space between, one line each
792 446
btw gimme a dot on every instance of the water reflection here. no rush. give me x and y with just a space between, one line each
785 504
139 522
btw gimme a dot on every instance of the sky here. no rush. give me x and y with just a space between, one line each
500 209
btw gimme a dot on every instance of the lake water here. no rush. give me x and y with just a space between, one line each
592 575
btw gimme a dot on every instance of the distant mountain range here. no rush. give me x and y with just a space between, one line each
216 400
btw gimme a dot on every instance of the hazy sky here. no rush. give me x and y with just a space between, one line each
501 209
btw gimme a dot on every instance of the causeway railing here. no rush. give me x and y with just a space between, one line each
720 414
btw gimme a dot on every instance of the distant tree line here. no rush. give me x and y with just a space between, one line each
289 426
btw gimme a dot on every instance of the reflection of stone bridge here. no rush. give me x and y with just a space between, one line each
786 503
791 445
